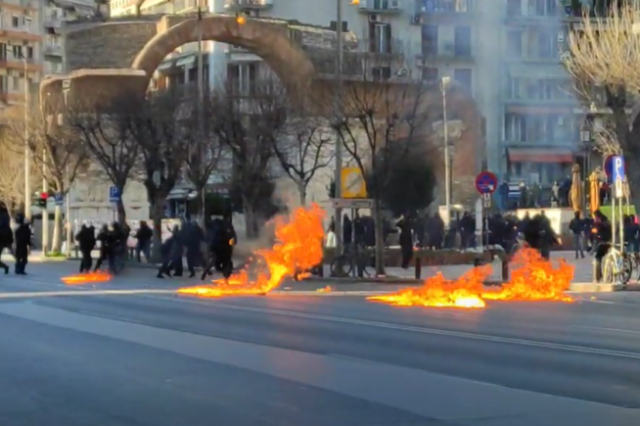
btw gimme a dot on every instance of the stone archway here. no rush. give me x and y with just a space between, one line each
271 42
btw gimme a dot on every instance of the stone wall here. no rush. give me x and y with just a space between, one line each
106 45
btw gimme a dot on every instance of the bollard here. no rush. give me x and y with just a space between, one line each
477 262
594 270
418 268
505 270
320 269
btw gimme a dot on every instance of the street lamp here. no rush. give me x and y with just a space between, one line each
444 84
27 151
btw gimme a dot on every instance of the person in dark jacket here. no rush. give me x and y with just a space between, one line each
22 238
221 247
6 240
406 241
105 238
193 237
144 235
165 252
177 250
86 241
576 226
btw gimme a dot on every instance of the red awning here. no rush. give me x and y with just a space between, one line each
517 155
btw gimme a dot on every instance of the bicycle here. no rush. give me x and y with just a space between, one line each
616 267
354 261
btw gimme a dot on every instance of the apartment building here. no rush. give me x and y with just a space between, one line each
541 126
20 50
54 13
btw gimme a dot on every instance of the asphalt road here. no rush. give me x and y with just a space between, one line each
161 360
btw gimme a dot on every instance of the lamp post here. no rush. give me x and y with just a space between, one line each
337 178
587 146
27 151
447 155
200 107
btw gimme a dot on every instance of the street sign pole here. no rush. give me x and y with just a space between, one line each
619 175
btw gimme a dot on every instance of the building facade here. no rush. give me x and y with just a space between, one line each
20 50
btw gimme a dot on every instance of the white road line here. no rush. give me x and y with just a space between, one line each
607 329
439 332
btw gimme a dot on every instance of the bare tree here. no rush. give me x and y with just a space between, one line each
159 129
383 125
604 53
106 132
12 179
249 126
205 149
306 147
55 147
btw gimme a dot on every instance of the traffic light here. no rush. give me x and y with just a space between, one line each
240 18
40 199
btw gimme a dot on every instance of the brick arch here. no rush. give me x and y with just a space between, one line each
270 41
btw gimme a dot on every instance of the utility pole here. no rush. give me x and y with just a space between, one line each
27 150
200 109
339 117
447 154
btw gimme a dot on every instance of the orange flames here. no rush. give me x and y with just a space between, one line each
87 278
439 292
326 289
533 279
298 248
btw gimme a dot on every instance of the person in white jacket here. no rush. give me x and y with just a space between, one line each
331 240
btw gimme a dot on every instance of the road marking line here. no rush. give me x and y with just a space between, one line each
613 330
439 332
87 292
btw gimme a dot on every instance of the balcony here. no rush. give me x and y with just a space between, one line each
382 47
231 49
54 22
446 52
53 50
380 6
186 6
233 5
444 8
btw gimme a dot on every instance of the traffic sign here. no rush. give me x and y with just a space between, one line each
486 198
59 199
486 183
352 183
114 194
618 172
608 167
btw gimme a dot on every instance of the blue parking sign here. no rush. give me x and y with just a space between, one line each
618 168
114 194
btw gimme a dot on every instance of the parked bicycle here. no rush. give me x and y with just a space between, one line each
354 261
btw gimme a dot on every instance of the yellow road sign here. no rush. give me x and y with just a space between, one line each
352 183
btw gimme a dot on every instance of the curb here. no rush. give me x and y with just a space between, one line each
595 287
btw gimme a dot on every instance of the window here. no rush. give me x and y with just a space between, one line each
15 83
429 39
345 26
514 8
547 46
430 74
29 52
514 128
3 51
514 44
15 22
381 73
3 83
462 43
243 77
379 38
447 6
464 77
17 52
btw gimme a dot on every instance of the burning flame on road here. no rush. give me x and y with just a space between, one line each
326 289
87 278
533 279
439 292
299 247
